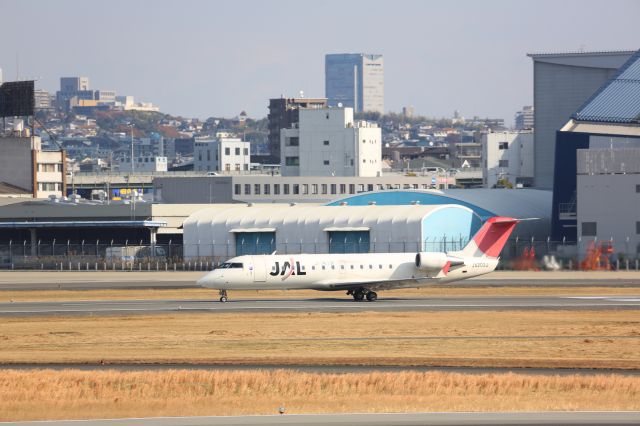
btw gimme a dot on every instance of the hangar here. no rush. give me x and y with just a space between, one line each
233 230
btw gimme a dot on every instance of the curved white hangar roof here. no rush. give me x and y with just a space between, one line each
306 228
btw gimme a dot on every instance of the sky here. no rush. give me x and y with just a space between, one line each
218 58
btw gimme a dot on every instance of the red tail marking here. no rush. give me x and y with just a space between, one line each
445 269
493 235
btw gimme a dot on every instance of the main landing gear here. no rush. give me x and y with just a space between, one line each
359 294
223 296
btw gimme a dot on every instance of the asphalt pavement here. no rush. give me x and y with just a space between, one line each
404 419
94 280
320 304
324 369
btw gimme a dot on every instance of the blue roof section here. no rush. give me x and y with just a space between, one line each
618 100
485 203
395 198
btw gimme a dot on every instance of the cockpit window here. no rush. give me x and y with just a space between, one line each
230 265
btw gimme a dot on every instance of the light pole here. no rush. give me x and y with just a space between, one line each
132 191
132 163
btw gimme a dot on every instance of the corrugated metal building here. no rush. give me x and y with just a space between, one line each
561 83
608 120
231 230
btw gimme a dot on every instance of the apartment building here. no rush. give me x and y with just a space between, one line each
221 154
328 142
23 164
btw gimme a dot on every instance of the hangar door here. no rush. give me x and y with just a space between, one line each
352 241
258 242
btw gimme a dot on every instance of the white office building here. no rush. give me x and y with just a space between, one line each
221 155
328 142
508 157
144 164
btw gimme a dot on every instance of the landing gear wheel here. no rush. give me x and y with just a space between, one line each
223 296
358 295
223 299
372 296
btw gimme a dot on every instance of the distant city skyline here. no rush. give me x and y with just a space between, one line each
205 59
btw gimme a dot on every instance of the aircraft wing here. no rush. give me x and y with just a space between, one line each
372 285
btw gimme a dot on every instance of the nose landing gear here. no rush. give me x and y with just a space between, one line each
223 296
360 294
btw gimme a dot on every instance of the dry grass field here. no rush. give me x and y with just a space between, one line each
73 394
208 294
588 339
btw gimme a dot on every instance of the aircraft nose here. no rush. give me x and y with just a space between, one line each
206 280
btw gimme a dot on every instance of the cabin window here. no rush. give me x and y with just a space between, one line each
333 266
323 268
380 266
341 266
313 268
230 265
361 266
390 266
370 266
351 266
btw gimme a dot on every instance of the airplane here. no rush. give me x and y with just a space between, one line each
362 274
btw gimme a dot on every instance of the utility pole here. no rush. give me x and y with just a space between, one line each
132 149
132 191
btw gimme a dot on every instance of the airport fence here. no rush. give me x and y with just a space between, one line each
518 254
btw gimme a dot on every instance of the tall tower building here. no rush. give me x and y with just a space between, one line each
355 80
73 84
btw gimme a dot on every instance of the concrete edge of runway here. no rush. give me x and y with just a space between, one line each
406 419
321 369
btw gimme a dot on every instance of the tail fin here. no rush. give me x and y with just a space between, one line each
491 238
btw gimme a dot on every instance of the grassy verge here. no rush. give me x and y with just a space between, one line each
208 294
72 394
565 339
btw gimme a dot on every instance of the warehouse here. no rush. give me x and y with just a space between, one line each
224 231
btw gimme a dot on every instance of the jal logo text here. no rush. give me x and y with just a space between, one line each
286 269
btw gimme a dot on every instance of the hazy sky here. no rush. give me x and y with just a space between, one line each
217 58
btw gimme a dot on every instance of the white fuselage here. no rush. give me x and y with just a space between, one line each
336 271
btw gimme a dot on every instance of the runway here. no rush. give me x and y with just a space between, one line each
325 369
411 419
322 304
101 280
